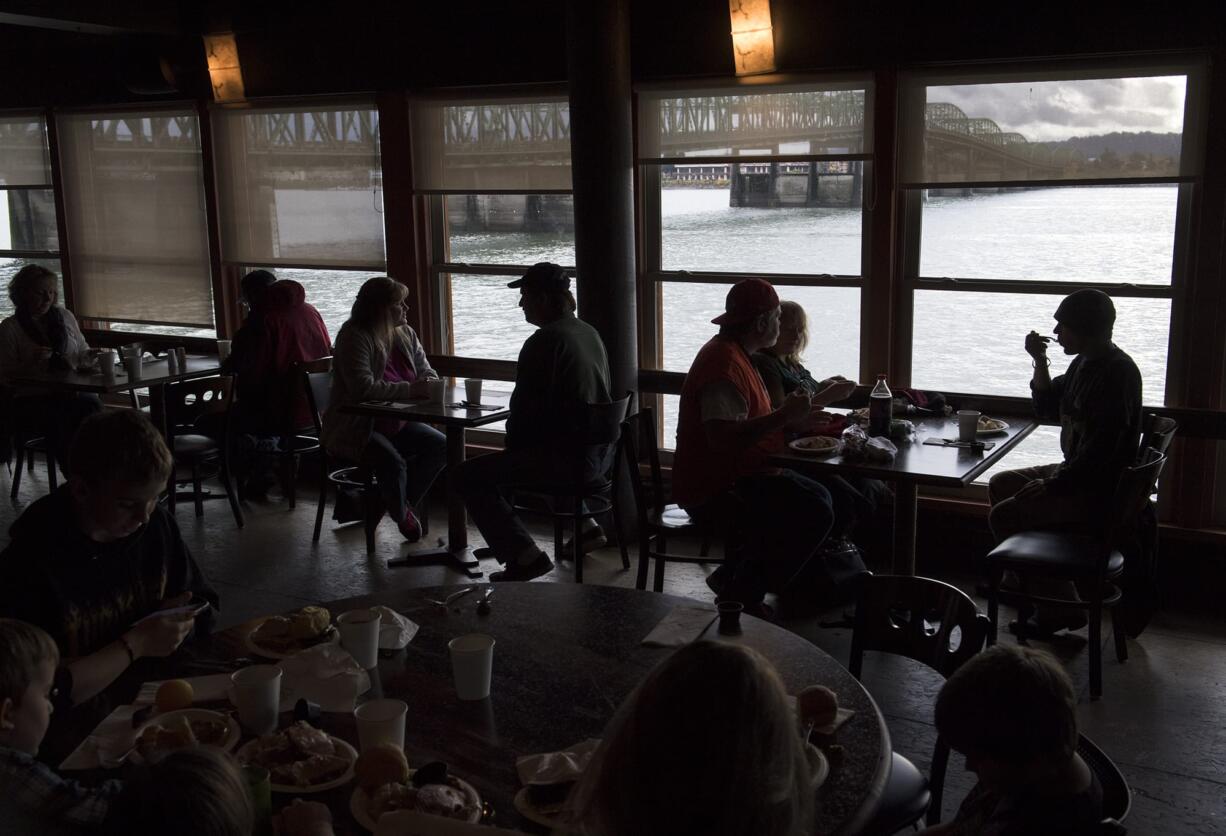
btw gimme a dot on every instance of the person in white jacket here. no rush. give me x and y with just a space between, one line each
42 335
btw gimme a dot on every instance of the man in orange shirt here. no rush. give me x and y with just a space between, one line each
725 431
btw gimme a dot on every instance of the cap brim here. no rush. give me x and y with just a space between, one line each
516 283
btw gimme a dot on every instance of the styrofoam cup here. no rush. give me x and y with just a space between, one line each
359 631
256 693
380 721
968 424
472 665
472 390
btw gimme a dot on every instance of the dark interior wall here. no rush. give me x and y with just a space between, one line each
366 45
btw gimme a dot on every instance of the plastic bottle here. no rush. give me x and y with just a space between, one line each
880 408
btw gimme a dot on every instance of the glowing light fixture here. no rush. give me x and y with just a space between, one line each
753 39
224 71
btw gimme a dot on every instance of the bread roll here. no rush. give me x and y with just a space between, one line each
379 765
818 705
309 622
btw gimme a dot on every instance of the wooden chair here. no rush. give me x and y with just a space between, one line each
933 623
294 440
315 378
1093 562
1117 797
1157 433
566 501
189 405
657 521
25 448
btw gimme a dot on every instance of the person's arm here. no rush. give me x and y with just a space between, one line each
1044 391
534 373
417 354
78 346
11 360
158 636
354 364
728 430
1108 438
768 370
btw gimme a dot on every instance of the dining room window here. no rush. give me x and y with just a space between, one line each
773 181
29 232
495 172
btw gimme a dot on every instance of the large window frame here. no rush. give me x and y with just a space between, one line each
52 186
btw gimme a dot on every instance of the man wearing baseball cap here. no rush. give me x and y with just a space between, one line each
1097 402
562 369
725 430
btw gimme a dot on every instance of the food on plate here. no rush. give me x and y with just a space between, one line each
301 756
284 634
821 416
181 733
988 425
860 414
173 695
815 444
818 705
379 765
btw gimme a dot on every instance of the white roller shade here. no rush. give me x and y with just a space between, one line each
300 185
755 120
491 145
23 152
134 201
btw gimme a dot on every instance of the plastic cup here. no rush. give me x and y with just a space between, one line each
223 350
472 665
359 631
106 363
438 389
730 617
380 721
259 788
256 693
968 424
472 390
133 364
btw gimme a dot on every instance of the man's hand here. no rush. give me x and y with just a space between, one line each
1032 489
796 407
1036 345
837 390
161 635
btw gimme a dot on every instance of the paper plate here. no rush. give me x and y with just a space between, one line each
343 749
233 733
1000 427
359 804
816 445
334 637
528 810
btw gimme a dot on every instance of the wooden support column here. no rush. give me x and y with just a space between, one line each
602 160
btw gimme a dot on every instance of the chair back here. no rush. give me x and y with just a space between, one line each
638 435
1158 432
601 422
1117 797
1132 491
316 382
190 400
923 619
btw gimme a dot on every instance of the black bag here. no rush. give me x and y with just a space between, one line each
350 506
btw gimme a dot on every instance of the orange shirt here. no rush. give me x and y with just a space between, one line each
700 472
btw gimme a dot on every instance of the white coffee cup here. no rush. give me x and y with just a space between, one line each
472 390
133 364
968 424
359 631
380 721
472 664
256 693
223 350
438 389
106 363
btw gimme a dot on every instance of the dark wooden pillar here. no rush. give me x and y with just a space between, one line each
602 158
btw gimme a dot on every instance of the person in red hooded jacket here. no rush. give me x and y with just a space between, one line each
281 329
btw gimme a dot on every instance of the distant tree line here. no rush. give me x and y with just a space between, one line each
1154 154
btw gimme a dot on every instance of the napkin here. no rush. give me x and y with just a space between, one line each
113 736
681 626
556 767
325 675
204 689
395 631
412 823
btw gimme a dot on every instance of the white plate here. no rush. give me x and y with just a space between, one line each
529 812
359 804
343 749
233 733
1003 426
799 446
818 765
334 637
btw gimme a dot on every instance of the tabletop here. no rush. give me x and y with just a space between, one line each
153 373
925 464
566 656
451 412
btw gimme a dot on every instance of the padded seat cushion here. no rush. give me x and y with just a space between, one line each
905 800
674 518
194 445
1053 553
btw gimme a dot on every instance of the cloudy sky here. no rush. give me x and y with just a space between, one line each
1054 110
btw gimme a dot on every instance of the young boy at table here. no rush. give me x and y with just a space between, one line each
92 562
1013 713
34 799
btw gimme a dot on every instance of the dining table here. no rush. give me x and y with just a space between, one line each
917 464
456 417
565 657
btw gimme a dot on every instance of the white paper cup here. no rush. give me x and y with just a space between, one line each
380 721
472 390
472 664
256 693
133 364
223 350
438 389
106 363
359 631
968 424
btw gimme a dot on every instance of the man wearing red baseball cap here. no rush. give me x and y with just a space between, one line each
725 431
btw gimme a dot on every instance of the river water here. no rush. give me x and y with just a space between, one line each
963 342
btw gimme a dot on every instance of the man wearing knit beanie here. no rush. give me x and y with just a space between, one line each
1097 403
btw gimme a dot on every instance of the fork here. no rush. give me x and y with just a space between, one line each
453 597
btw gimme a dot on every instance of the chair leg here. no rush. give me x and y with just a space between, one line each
705 549
197 490
559 554
21 457
231 494
621 537
30 464
323 496
993 606
644 556
1096 649
1121 638
291 482
53 478
577 541
373 516
661 547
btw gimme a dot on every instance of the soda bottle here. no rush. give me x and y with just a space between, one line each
880 408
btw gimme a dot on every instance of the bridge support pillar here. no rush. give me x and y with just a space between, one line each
736 191
855 197
602 166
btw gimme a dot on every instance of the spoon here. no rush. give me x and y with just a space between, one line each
455 596
483 606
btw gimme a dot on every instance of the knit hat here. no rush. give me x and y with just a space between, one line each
1087 312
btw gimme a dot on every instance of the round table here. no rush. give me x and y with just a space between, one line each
566 656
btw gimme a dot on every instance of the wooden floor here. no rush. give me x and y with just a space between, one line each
1162 718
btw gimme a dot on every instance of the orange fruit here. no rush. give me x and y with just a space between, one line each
174 694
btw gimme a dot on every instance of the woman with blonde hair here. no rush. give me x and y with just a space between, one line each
707 745
378 357
780 365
